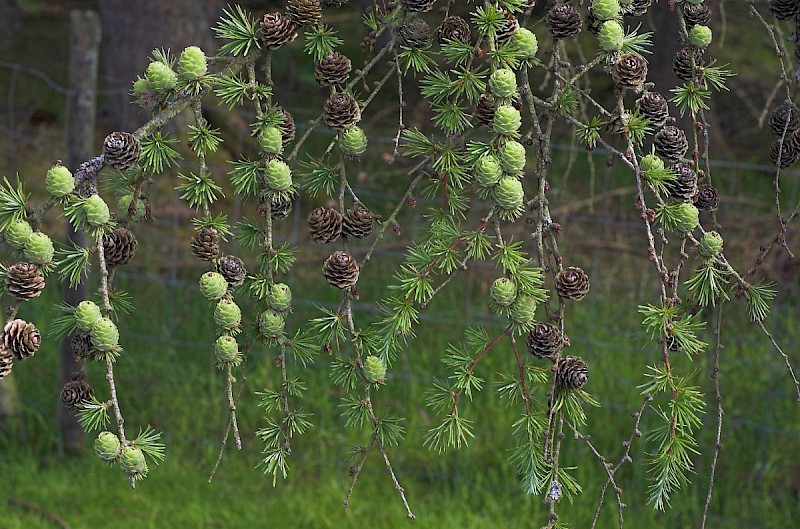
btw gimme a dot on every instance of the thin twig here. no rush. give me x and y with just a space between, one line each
717 440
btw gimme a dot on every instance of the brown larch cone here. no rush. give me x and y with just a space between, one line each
277 30
304 12
280 207
563 21
341 270
783 154
21 338
570 373
637 8
232 269
333 69
484 110
414 33
287 127
707 198
696 14
509 27
420 6
784 119
544 340
81 343
684 186
335 3
617 125
630 71
784 9
324 224
24 281
121 150
453 28
670 144
205 244
572 283
6 362
682 64
76 391
592 23
653 106
119 246
358 222
341 111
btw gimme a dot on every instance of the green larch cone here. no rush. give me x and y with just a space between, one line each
651 163
192 64
605 9
280 297
17 234
353 141
107 446
503 292
271 140
87 313
96 209
271 323
104 335
140 87
700 36
509 194
512 157
213 285
611 35
132 461
711 244
523 310
507 120
124 207
525 42
228 315
687 218
503 83
38 248
160 77
488 170
278 175
374 369
59 181
226 350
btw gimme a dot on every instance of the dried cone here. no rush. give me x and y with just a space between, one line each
696 14
21 339
784 9
119 246
572 283
6 362
341 270
324 225
571 373
121 150
593 24
232 269
707 198
637 8
563 21
682 64
81 343
670 144
630 71
453 28
277 30
415 33
783 154
544 340
510 26
653 106
332 70
684 186
24 281
304 12
287 127
280 207
484 110
358 222
420 6
784 119
205 244
341 111
76 391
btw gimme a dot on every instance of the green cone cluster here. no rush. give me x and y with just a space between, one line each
271 140
278 175
133 463
107 446
503 292
525 42
228 315
507 120
87 313
280 297
509 195
687 217
17 234
96 209
160 77
226 351
213 285
711 244
104 335
59 181
192 64
605 9
271 323
503 83
374 369
353 142
38 248
700 36
512 157
611 35
488 170
523 311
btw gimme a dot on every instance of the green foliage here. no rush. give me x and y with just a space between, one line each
204 139
240 30
321 41
12 204
200 191
73 264
158 154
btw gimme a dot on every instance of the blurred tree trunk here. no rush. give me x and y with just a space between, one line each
9 21
10 409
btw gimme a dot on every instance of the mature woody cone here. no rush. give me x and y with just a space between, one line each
21 338
119 246
341 270
81 343
637 8
707 198
563 21
420 6
484 110
6 362
696 14
415 33
304 12
570 373
358 222
572 283
682 64
324 224
280 207
510 26
453 28
784 119
783 154
205 244
593 24
288 127
24 281
544 340
653 106
784 9
76 391
684 186
121 150
630 71
277 30
670 144
232 269
333 69
341 111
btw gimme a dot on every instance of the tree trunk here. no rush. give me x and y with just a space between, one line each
10 21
